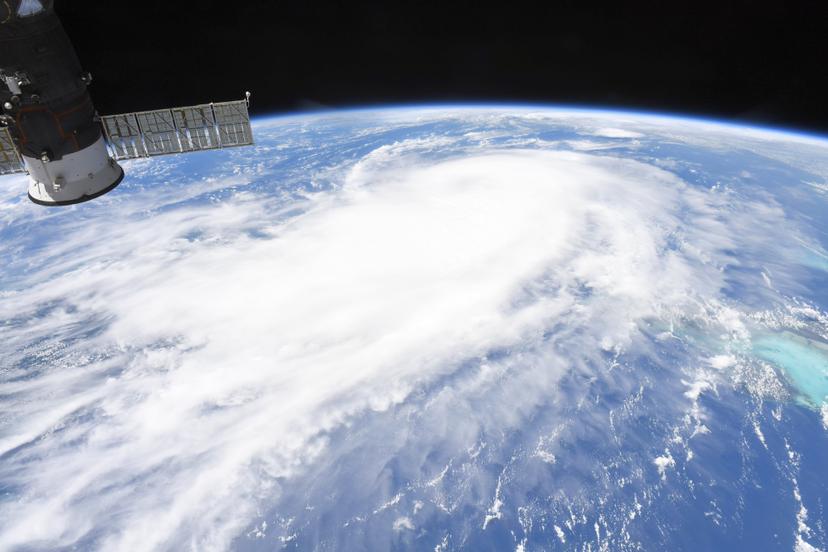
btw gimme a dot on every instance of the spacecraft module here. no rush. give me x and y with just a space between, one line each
50 129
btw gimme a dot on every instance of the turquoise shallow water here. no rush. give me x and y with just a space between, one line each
804 361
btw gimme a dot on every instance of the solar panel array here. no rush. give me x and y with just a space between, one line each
178 130
9 159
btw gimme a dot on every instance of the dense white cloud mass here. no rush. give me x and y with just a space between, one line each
209 351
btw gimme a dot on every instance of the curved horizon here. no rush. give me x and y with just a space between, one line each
565 108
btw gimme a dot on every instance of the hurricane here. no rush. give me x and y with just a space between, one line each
438 328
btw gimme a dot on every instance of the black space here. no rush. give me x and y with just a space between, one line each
746 60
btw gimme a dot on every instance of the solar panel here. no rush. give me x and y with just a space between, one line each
196 127
9 158
158 129
178 130
233 123
124 136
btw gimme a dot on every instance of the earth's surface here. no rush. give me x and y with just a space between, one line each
431 329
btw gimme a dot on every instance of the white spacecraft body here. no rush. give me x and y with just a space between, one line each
50 129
